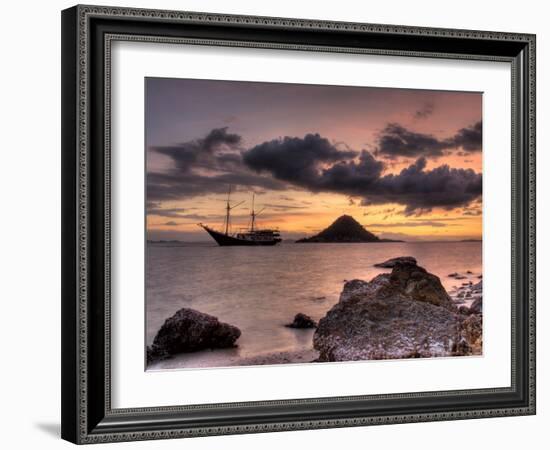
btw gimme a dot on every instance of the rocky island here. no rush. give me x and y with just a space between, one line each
344 229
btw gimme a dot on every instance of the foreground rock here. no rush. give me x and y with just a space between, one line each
390 263
471 330
302 321
156 354
188 331
477 306
420 285
404 314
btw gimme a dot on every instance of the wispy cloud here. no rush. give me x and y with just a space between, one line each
425 111
407 224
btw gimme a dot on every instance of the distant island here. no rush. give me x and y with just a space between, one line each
344 229
165 242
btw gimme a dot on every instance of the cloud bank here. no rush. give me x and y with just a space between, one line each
313 163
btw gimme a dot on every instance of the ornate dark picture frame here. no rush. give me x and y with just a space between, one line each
87 34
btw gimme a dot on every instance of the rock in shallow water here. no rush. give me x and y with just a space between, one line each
456 276
390 263
404 314
188 331
302 321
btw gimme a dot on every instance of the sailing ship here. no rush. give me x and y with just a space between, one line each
250 236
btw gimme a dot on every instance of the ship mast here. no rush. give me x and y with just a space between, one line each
253 215
228 209
227 214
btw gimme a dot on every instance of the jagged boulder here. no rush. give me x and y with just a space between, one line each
404 314
420 285
471 330
189 330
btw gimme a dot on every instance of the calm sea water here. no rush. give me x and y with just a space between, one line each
259 289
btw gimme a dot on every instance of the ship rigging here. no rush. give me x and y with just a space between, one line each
248 237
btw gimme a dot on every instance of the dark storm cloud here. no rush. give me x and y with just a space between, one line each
294 159
414 187
468 138
421 190
202 166
351 176
397 141
208 152
315 164
312 163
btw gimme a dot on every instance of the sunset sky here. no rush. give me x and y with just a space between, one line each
406 164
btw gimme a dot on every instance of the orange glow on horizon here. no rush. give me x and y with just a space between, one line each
308 214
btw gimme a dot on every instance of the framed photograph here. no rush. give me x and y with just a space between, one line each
281 224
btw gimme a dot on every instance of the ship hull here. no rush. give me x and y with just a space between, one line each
224 240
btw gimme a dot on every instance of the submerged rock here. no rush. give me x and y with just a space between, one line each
404 314
469 292
456 276
302 321
390 263
188 331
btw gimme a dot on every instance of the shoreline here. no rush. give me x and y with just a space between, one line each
304 356
464 293
285 357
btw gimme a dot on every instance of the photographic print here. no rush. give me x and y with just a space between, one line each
294 223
